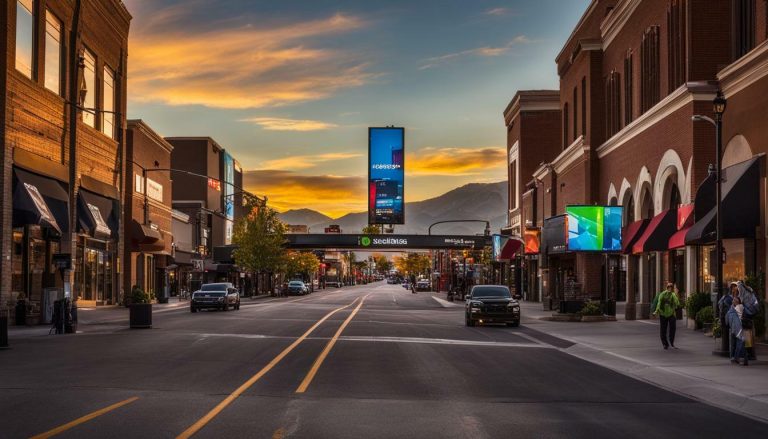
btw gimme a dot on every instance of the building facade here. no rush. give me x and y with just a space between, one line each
149 242
62 113
633 74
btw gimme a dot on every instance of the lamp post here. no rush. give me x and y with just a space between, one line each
718 108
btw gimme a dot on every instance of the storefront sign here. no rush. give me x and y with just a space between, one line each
154 190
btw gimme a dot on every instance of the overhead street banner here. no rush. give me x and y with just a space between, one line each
393 242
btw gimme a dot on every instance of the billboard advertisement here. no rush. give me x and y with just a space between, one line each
229 199
386 175
594 228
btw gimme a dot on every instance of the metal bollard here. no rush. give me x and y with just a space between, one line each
4 330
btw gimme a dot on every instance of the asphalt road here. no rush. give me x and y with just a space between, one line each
384 363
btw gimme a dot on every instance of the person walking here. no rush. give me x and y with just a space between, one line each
666 305
733 316
751 307
723 306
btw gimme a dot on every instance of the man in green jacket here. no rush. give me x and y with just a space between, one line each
666 305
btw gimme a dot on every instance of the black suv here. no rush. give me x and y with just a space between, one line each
492 304
219 295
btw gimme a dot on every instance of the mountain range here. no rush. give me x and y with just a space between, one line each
476 201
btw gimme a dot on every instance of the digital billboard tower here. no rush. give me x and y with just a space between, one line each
386 175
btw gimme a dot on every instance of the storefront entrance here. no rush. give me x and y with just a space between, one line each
94 272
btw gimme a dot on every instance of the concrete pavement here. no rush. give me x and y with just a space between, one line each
634 349
402 365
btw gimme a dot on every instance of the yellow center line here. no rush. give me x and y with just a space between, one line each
189 432
84 419
319 361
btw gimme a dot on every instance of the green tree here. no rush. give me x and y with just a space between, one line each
260 240
383 265
301 264
372 229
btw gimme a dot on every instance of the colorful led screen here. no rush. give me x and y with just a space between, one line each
594 228
386 176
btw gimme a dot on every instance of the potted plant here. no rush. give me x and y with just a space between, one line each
140 309
693 304
592 311
706 317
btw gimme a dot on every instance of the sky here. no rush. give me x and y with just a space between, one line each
290 87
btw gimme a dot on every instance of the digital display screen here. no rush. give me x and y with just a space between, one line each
594 228
386 176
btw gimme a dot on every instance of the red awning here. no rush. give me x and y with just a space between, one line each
511 247
656 235
684 223
630 233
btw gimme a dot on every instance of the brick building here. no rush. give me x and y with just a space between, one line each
148 230
62 167
632 75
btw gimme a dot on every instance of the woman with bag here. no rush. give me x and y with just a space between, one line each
751 309
733 317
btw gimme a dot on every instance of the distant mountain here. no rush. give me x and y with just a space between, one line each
482 201
304 217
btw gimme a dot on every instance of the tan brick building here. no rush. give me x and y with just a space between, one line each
62 167
632 75
149 243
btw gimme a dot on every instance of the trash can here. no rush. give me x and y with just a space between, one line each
21 312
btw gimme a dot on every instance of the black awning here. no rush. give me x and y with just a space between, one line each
740 205
97 215
145 238
39 200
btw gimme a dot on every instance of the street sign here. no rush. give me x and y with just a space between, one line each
198 265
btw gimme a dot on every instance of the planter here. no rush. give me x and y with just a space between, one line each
708 328
141 315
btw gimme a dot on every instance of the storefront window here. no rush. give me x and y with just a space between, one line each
17 272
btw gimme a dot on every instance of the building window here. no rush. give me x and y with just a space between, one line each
513 185
584 106
649 70
676 21
25 37
565 126
628 84
612 104
89 84
108 108
52 53
742 27
575 112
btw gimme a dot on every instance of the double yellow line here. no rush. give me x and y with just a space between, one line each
202 422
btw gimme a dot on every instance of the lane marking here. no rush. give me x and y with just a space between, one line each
202 422
319 361
447 341
84 419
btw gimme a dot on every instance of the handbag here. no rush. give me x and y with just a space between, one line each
747 323
747 333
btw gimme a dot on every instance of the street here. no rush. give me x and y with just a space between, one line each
384 363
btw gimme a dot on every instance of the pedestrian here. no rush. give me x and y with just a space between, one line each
679 309
751 306
667 303
723 306
733 316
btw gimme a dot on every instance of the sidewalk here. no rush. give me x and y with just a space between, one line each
633 348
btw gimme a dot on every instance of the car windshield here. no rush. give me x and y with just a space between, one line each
214 287
296 284
490 292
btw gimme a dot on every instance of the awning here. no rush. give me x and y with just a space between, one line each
656 236
684 224
220 268
39 200
146 239
511 247
631 233
740 205
224 254
97 215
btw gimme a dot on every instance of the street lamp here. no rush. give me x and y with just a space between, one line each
718 108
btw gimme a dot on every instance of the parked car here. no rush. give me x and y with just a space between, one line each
422 285
391 281
297 287
492 304
217 295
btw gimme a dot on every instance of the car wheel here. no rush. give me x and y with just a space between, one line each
225 307
237 307
192 309
513 324
469 322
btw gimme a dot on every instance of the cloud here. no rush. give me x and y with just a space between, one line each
330 194
238 66
457 162
497 12
479 51
282 124
307 161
